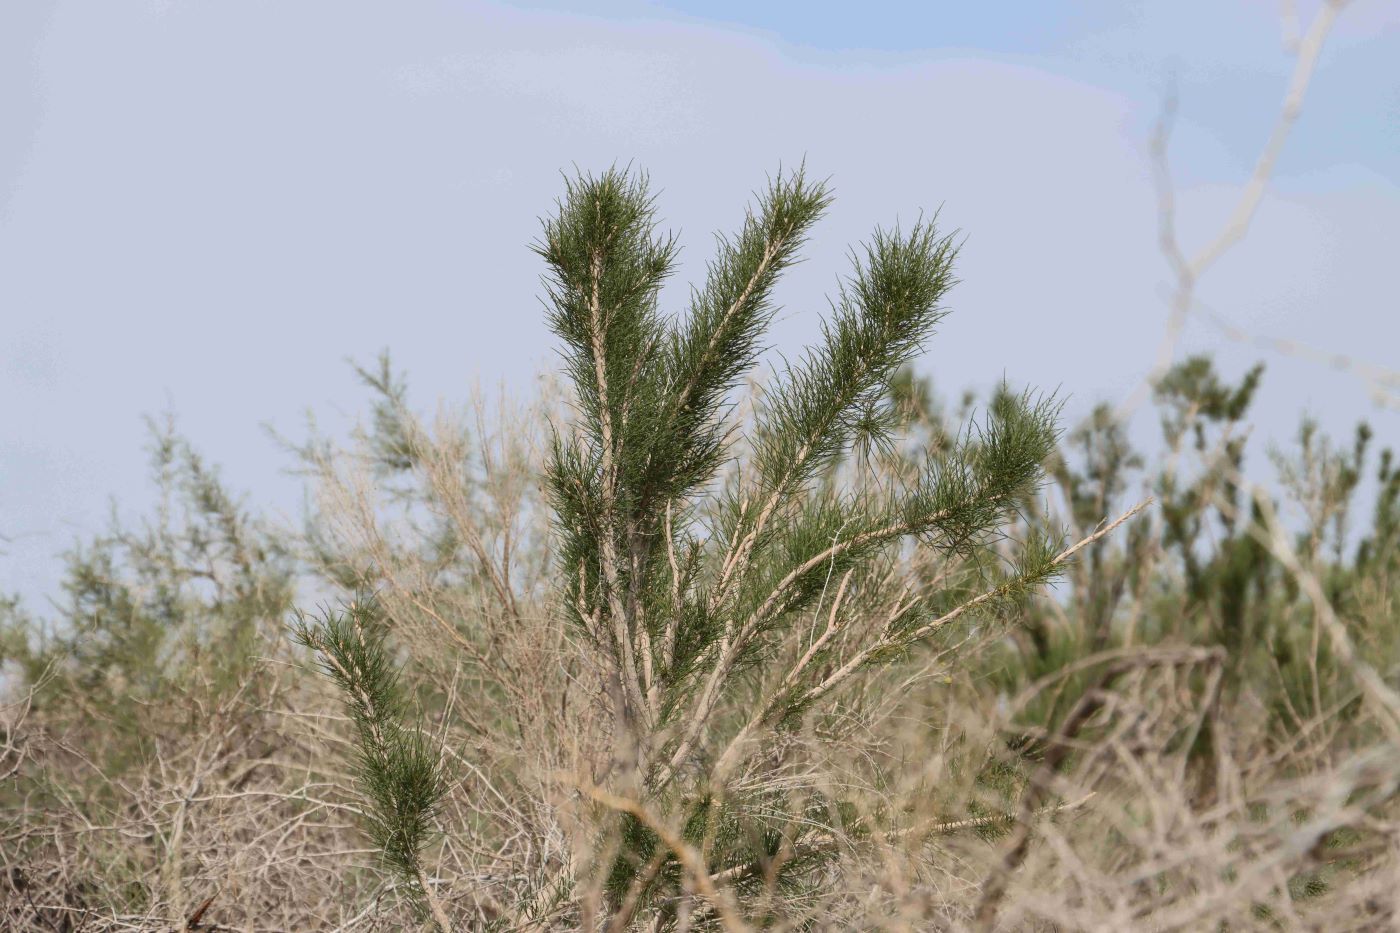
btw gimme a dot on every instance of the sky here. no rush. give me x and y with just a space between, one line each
207 208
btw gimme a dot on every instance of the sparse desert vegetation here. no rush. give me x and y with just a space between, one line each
671 647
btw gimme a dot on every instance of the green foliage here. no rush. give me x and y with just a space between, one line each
690 594
176 608
392 442
399 768
1213 578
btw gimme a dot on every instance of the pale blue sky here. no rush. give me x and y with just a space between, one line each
207 207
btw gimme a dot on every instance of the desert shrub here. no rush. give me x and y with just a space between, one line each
151 771
1205 569
1216 567
654 651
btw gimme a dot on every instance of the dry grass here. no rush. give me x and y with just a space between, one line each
914 811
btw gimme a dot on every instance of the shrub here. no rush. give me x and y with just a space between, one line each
660 653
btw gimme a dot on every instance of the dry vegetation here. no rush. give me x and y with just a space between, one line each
836 657
1196 729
